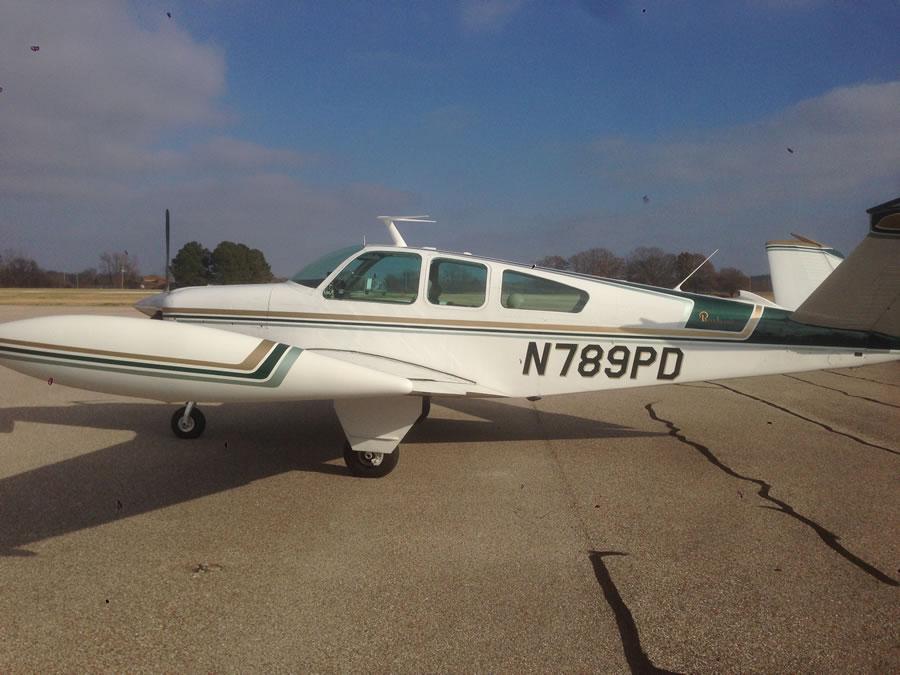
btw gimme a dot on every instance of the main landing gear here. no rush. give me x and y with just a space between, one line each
370 464
374 428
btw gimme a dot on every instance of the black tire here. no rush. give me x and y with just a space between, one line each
370 464
196 423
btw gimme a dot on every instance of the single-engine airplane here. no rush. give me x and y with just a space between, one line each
383 329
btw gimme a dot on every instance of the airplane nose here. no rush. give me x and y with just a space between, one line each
151 304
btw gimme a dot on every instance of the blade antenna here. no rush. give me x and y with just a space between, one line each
390 222
678 287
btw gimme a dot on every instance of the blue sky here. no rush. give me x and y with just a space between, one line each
526 128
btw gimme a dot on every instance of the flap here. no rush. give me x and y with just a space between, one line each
426 381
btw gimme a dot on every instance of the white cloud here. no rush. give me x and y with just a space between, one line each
822 146
86 160
97 66
96 96
813 167
488 15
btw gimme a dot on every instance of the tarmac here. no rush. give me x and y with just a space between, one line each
748 525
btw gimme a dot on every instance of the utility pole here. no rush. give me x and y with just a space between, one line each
168 259
122 265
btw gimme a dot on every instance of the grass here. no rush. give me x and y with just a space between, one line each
85 297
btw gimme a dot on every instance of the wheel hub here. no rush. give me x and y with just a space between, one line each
373 458
186 424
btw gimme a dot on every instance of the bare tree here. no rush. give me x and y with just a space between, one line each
19 271
600 262
120 269
731 280
556 262
88 278
704 279
651 265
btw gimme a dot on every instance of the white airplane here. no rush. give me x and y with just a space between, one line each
382 329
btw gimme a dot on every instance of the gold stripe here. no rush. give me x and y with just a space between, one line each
419 321
252 360
794 242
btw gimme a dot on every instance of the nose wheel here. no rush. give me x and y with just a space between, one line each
188 421
370 464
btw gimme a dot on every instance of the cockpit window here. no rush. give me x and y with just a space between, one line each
524 291
316 272
378 276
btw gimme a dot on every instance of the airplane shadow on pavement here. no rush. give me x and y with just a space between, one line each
242 444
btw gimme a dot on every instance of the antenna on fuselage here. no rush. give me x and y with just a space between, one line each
678 287
390 222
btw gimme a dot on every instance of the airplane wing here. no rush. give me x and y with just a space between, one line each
167 361
425 381
376 399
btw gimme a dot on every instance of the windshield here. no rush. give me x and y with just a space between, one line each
316 272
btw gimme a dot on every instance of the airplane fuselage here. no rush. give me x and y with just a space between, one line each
574 333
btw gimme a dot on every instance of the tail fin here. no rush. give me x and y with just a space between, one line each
864 292
798 267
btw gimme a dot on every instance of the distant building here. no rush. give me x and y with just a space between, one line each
153 282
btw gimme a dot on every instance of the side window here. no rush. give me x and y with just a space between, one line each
523 291
457 283
378 276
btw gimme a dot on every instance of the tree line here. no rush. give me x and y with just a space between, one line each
653 266
116 269
193 265
236 263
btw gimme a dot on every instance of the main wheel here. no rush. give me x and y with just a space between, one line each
370 464
191 427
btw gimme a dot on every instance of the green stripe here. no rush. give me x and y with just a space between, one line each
261 373
419 328
775 329
278 376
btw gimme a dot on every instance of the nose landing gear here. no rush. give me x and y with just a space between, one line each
188 421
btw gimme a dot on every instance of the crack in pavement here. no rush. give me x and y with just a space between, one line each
764 491
841 391
827 427
864 379
637 659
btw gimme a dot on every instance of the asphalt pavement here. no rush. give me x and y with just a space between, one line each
749 525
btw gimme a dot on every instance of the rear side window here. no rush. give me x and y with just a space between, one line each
524 291
457 283
378 276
